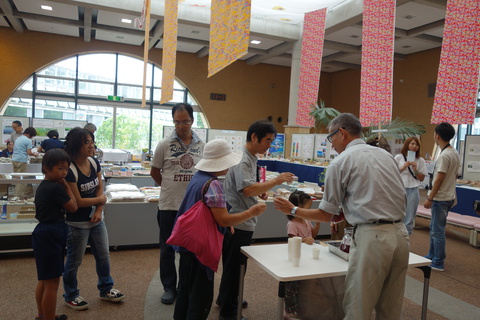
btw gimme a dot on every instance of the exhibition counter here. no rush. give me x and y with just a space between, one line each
304 172
466 195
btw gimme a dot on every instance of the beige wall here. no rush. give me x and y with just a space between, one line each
253 92
410 91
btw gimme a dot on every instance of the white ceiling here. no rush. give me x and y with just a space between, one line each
276 23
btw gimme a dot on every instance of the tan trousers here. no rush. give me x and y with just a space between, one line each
376 271
20 188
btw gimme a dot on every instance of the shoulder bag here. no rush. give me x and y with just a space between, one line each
196 230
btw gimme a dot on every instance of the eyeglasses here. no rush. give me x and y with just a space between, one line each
183 123
330 136
89 143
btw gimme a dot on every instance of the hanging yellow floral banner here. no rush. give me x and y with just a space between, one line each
229 33
169 49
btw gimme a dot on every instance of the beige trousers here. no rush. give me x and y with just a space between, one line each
376 271
20 188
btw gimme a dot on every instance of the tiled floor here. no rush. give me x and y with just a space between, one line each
454 294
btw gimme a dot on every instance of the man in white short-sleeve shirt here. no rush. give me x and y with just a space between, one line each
172 168
442 196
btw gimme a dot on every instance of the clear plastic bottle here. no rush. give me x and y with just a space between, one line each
347 240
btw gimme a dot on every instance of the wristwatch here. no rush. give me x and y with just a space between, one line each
293 211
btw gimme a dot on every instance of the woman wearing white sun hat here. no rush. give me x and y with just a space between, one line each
195 294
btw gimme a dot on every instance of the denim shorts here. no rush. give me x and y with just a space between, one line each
49 241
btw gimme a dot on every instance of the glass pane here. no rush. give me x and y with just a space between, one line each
95 89
191 100
53 109
18 107
97 66
475 127
161 117
178 96
27 85
102 117
177 85
157 80
132 130
133 92
130 71
55 85
66 68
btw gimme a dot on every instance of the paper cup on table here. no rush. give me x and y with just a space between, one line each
315 253
290 248
296 250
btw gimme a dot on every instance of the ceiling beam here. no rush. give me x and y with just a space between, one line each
345 65
275 51
87 24
337 55
439 4
156 34
429 38
426 28
203 52
337 46
9 14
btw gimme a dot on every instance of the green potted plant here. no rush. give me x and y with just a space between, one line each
398 129
322 115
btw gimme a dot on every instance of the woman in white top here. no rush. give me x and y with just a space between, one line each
412 173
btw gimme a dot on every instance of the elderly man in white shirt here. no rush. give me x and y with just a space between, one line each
366 183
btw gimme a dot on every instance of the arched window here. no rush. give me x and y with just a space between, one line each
104 89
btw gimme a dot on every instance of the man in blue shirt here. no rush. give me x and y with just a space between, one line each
21 151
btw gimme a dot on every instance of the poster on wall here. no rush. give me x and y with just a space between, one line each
302 146
7 126
323 149
277 148
471 159
236 139
69 125
43 126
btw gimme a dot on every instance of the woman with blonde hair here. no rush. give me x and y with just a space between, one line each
412 173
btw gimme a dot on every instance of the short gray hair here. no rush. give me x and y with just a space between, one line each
347 121
90 127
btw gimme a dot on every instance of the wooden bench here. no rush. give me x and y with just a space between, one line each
474 235
457 220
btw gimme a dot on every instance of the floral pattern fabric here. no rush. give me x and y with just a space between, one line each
310 65
458 74
229 33
378 39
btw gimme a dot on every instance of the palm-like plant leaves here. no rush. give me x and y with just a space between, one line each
323 115
398 129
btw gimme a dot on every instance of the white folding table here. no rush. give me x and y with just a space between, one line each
274 260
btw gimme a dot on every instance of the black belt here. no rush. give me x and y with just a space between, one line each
385 221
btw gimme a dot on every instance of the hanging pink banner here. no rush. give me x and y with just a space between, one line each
378 39
169 57
458 74
310 65
229 33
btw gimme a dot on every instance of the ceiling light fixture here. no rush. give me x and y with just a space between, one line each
44 7
125 20
255 42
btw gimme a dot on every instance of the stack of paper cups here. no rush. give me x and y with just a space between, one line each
290 248
296 250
